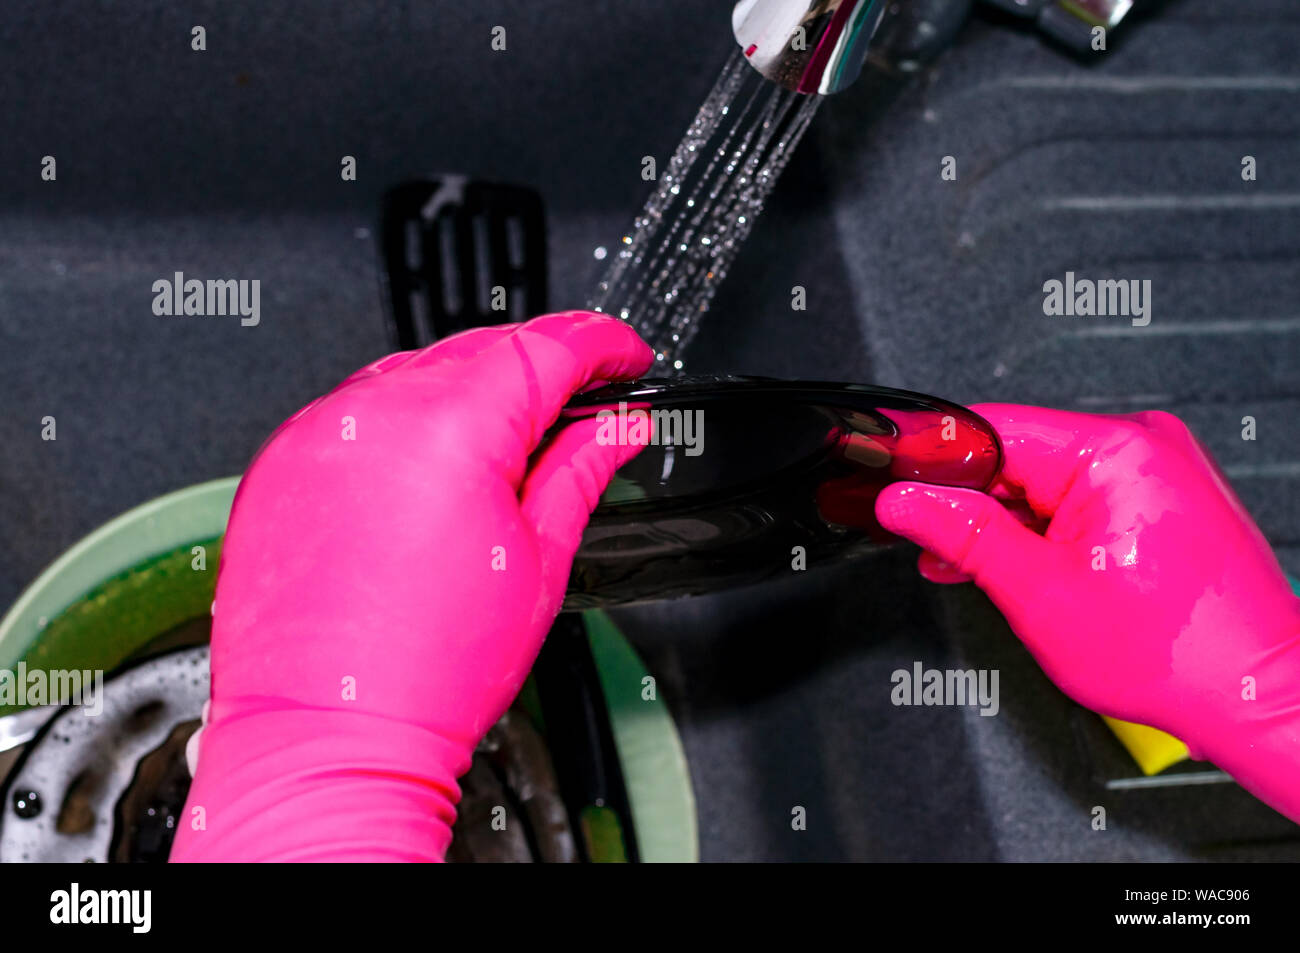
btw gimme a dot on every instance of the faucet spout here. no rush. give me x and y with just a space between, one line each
810 46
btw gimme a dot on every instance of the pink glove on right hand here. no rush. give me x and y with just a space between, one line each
1151 595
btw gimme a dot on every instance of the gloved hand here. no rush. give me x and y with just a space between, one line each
392 564
1150 595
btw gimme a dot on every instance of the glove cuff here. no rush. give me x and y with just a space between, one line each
319 785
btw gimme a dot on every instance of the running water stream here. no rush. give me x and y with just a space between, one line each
668 266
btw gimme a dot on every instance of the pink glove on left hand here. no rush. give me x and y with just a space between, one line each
393 562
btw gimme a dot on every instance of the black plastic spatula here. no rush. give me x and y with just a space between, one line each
461 254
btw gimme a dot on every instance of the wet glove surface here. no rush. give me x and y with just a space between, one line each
1123 560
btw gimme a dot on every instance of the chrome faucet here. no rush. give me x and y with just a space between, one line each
810 46
819 46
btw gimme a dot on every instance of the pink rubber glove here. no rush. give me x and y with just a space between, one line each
393 562
1190 604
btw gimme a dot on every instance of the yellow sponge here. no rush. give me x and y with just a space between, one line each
1151 748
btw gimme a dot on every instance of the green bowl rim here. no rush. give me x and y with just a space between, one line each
650 751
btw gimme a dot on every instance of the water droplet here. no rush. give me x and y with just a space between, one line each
599 255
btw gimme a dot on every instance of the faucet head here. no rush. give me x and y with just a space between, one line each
810 46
